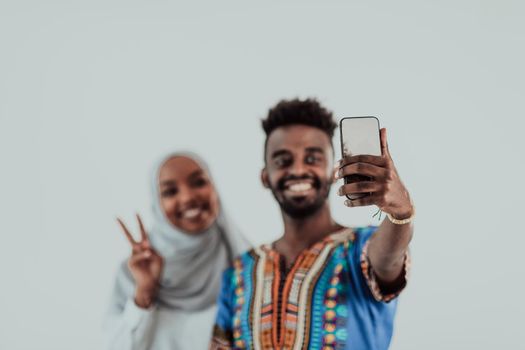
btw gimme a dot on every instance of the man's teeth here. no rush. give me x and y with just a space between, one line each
191 213
300 187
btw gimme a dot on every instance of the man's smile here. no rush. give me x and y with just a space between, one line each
299 188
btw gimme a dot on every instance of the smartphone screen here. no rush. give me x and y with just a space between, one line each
359 135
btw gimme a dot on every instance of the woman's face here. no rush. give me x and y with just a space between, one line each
187 195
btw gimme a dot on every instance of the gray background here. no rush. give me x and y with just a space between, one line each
92 92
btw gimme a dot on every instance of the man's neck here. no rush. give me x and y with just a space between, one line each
300 234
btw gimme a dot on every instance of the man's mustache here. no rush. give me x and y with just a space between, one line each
282 182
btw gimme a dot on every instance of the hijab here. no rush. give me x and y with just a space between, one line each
193 263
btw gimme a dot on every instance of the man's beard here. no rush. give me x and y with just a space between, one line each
298 208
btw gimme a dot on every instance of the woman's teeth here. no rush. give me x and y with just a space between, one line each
191 213
300 187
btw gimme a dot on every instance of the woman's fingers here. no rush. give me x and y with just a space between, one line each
127 233
143 233
137 246
139 257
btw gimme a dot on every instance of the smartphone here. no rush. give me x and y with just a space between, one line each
359 135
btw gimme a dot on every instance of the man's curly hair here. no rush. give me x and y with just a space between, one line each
306 112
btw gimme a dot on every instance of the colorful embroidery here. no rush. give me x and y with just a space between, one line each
370 277
315 299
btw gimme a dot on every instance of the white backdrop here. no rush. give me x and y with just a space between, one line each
92 92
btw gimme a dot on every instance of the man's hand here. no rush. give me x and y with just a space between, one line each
145 265
384 187
389 244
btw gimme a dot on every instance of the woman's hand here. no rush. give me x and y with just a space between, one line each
145 265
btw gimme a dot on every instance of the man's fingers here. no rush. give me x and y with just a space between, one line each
366 169
362 202
363 158
126 232
143 233
384 143
359 187
335 172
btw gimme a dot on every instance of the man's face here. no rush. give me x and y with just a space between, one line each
299 162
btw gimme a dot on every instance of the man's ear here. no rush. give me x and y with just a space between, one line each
264 178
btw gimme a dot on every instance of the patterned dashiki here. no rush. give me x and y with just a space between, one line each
329 299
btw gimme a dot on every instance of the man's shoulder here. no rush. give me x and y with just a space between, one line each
247 256
252 256
240 265
365 230
342 235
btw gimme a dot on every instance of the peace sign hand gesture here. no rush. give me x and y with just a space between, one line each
145 265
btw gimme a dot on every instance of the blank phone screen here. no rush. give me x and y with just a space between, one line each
360 135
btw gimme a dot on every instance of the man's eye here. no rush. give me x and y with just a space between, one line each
311 159
282 162
169 192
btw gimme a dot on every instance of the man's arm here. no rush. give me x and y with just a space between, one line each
388 246
387 252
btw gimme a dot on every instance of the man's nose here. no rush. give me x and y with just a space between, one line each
298 169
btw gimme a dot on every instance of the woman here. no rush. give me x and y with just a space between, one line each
164 297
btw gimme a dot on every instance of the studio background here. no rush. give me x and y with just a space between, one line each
93 92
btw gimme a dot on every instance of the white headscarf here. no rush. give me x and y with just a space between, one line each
193 264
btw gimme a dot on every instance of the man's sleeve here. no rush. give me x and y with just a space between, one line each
222 337
363 236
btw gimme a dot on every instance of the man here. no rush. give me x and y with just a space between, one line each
321 285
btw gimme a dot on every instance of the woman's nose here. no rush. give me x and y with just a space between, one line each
185 195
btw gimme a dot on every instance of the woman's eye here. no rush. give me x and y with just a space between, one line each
169 192
200 182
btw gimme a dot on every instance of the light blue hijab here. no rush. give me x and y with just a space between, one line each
193 264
